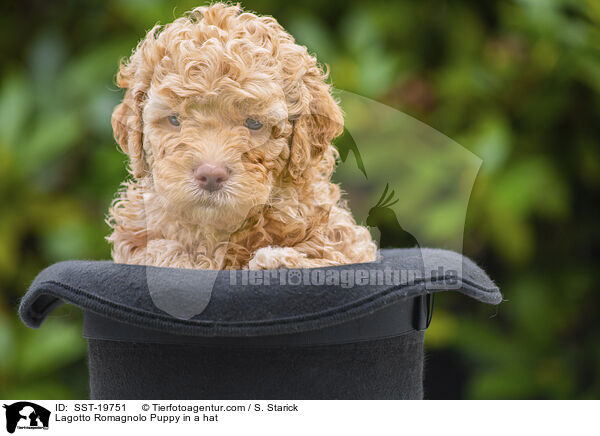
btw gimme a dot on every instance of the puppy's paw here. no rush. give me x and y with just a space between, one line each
277 257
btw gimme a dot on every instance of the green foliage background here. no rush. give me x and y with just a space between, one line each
516 82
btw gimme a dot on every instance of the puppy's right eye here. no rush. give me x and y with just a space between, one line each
174 120
252 124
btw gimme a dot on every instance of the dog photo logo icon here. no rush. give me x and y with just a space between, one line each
25 415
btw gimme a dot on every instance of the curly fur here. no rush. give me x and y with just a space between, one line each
215 67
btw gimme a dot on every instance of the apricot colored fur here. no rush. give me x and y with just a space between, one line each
215 67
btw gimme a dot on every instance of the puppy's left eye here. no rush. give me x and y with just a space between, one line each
252 124
174 120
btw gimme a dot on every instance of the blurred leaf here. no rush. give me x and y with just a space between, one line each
7 344
48 349
52 136
505 382
15 107
309 30
44 390
69 239
491 143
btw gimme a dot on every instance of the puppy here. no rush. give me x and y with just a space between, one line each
228 125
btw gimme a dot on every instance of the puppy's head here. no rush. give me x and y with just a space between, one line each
221 109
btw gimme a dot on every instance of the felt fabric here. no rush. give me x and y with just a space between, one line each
224 304
163 333
384 369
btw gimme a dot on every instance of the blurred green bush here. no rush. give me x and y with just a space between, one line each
516 82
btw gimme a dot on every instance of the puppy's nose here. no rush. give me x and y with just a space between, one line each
211 177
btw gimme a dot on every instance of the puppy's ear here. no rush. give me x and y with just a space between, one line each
134 76
319 122
127 128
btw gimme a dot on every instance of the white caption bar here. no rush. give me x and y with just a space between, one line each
22 417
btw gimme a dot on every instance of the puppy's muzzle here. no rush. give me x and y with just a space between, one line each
211 177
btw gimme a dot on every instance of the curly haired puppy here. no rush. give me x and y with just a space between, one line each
228 127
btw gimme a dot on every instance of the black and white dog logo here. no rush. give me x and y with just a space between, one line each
25 415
